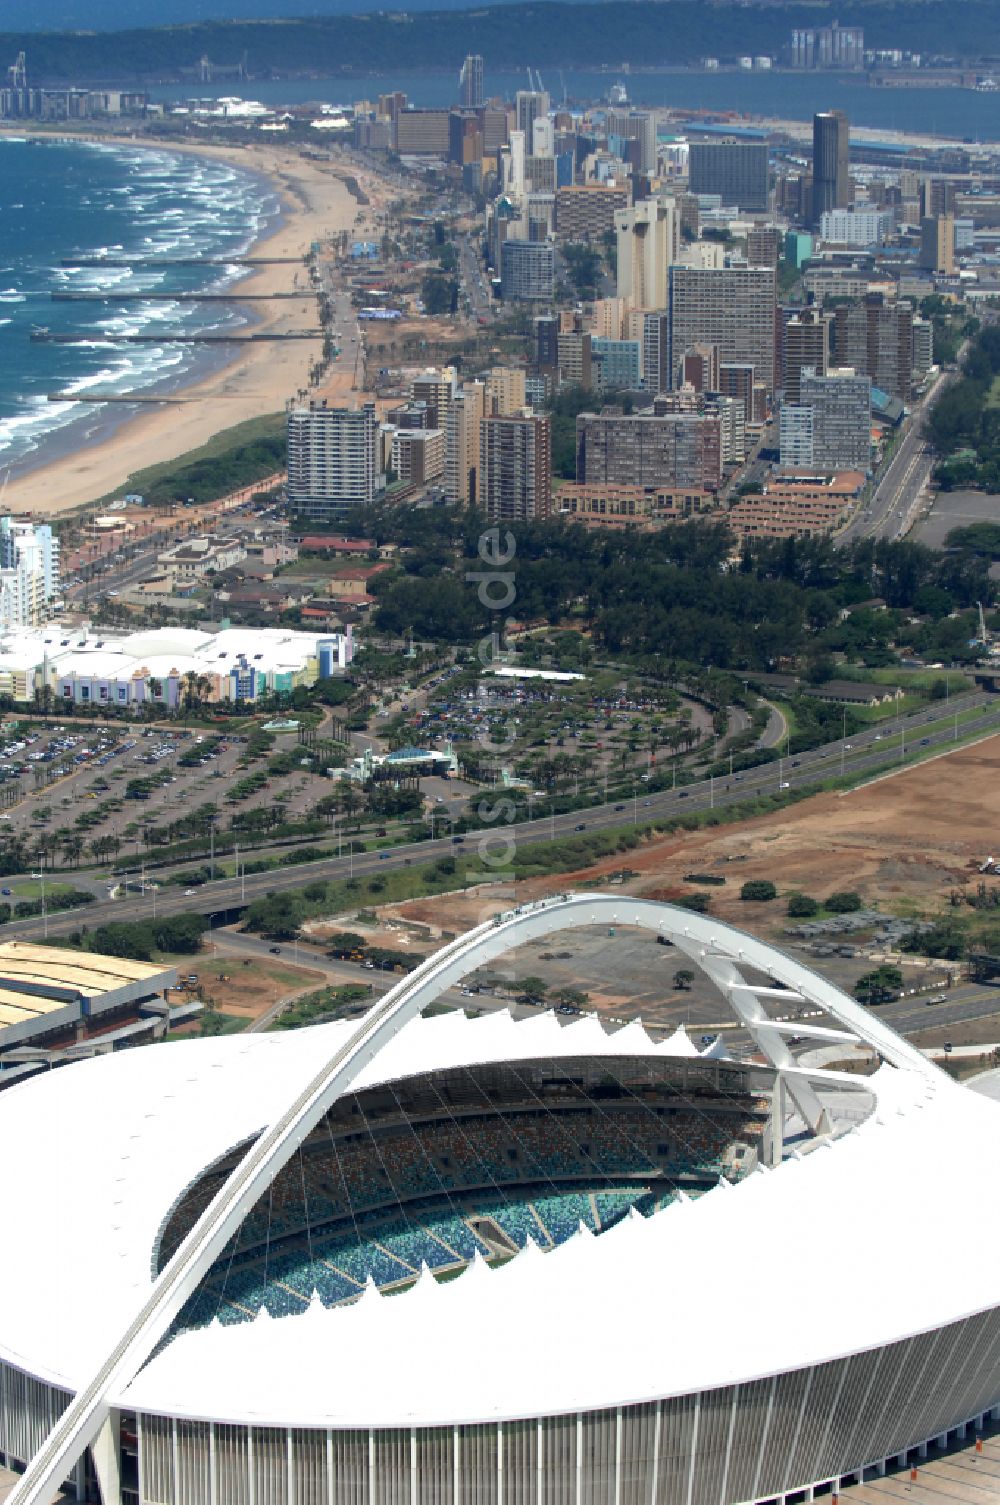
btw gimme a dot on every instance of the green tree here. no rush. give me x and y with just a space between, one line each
844 901
683 978
876 986
801 906
758 890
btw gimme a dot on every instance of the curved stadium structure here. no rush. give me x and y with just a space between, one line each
440 1261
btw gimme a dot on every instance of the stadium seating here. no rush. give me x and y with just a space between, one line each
381 1203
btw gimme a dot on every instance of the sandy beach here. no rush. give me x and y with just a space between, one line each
316 205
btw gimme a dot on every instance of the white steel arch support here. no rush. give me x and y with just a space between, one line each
717 948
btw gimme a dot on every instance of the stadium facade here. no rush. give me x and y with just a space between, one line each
680 1277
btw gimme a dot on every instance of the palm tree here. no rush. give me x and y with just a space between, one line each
72 846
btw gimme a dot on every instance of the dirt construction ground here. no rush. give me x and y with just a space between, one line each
904 842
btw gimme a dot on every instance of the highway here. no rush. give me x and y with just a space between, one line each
936 727
890 511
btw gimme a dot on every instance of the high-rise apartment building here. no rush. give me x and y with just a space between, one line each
333 459
656 352
731 307
736 170
831 183
875 338
504 391
764 246
435 389
806 343
527 271
515 467
418 455
29 572
586 211
841 403
830 428
937 244
461 458
648 241
648 449
470 83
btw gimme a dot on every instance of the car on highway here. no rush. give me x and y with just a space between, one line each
937 998
274 950
619 807
581 827
189 891
784 784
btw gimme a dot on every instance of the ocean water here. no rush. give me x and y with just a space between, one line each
66 198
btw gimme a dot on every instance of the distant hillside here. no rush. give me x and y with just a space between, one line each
510 35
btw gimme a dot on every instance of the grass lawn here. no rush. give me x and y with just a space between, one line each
268 426
28 888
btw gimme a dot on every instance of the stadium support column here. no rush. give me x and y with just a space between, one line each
106 1451
777 1124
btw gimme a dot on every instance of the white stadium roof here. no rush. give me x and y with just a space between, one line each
144 1125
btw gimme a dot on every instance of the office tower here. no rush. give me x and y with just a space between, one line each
527 271
461 455
806 343
875 338
937 244
333 459
634 131
504 391
831 158
736 170
529 105
436 389
470 83
29 572
515 467
540 176
656 352
465 138
732 307
830 428
418 455
648 449
648 241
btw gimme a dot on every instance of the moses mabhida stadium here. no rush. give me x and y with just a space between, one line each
435 1260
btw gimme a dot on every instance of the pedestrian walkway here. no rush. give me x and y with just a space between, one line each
965 1471
7 1481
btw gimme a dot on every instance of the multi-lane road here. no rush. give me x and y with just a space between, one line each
891 510
934 728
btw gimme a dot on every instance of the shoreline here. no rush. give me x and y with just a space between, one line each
256 380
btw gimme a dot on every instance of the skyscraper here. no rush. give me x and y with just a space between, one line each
648 240
831 157
470 83
530 105
731 307
515 467
737 170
